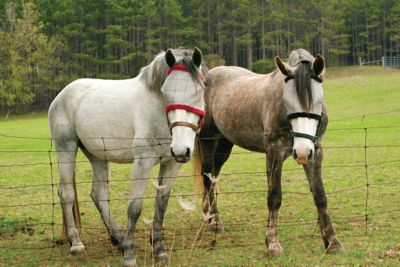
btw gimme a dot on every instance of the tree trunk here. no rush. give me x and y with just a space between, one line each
249 54
263 56
220 44
234 48
7 114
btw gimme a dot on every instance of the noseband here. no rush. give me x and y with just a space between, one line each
312 138
194 127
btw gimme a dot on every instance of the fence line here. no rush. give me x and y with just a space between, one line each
255 173
386 62
237 225
363 116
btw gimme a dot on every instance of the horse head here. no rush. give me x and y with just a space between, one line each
183 96
303 99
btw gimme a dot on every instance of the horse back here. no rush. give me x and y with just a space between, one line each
107 115
244 105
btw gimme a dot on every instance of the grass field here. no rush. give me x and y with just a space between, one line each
361 103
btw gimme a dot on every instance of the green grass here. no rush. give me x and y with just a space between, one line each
26 232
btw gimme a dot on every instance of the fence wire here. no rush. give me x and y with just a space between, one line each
245 224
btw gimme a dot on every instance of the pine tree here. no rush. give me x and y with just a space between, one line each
29 59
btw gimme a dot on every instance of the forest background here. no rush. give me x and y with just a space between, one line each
45 44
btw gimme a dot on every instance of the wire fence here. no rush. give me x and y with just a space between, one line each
359 224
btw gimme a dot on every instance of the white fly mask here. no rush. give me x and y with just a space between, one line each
304 123
292 102
303 106
184 104
181 91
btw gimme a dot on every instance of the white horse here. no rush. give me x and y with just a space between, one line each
125 121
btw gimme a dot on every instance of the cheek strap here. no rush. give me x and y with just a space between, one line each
195 128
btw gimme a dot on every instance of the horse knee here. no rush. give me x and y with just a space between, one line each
98 193
66 193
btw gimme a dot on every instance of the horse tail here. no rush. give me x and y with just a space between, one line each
75 212
197 166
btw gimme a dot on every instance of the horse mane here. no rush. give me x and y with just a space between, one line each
303 75
155 73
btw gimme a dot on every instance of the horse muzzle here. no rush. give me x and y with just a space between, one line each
181 158
302 158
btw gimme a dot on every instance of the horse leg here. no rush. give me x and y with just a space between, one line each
141 171
221 155
66 153
100 196
274 172
168 171
313 172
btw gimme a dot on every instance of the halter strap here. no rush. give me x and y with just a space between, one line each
312 138
195 128
177 67
304 115
200 112
306 136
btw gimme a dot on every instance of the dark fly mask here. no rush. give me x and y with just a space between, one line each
181 91
295 109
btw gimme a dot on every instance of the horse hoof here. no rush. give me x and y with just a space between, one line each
129 262
274 250
335 246
77 249
163 256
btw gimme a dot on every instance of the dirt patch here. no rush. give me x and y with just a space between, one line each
11 227
393 254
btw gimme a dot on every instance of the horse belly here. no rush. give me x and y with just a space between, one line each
249 140
240 125
113 150
106 135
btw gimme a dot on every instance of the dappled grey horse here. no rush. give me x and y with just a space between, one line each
125 121
280 114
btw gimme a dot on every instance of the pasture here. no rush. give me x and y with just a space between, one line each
361 173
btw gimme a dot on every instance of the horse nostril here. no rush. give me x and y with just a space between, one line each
294 154
310 155
187 155
172 152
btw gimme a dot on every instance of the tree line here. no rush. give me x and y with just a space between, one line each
47 43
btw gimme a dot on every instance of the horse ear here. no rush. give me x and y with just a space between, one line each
283 67
170 58
319 64
197 56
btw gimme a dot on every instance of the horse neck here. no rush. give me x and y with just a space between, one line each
154 74
278 83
